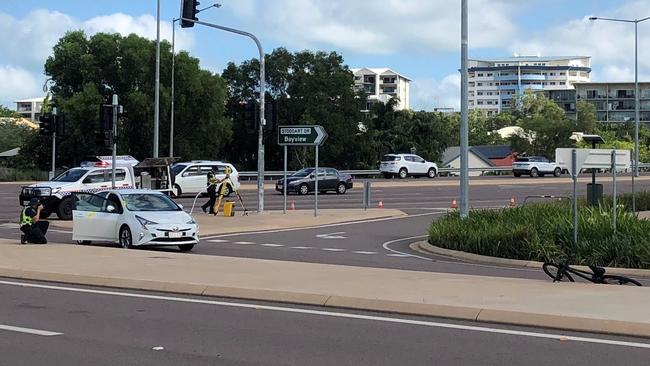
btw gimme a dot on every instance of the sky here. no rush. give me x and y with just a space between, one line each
417 38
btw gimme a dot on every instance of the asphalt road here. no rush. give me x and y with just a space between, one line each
55 326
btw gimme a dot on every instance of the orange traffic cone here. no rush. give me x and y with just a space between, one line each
381 204
454 204
512 202
293 205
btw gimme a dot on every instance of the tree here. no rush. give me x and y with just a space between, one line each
6 112
86 71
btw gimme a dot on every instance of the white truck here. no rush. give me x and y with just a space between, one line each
92 176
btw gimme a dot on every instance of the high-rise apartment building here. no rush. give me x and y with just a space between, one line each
494 84
383 84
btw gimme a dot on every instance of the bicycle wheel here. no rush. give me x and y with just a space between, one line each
619 280
553 271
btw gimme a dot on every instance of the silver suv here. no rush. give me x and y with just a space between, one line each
535 166
404 165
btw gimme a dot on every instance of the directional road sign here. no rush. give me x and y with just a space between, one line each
301 135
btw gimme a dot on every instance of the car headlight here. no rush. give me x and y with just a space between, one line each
191 222
144 222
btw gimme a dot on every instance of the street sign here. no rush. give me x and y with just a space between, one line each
300 135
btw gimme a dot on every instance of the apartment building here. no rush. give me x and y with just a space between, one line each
494 84
382 84
614 101
30 108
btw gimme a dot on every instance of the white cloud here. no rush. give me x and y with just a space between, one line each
427 93
17 83
380 27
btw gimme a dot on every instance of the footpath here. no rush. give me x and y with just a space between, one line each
569 306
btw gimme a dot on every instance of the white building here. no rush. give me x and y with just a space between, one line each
30 108
383 84
494 83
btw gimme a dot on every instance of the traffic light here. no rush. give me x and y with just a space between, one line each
189 9
271 114
59 125
106 117
251 116
46 125
103 139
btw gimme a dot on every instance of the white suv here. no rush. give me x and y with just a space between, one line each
535 166
404 165
191 177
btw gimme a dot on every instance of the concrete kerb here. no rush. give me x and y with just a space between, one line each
475 314
426 248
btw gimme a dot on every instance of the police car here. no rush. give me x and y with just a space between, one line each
92 176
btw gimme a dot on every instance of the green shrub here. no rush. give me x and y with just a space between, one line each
15 174
545 232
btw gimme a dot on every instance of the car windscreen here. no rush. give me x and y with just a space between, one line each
177 169
149 202
390 158
71 175
303 172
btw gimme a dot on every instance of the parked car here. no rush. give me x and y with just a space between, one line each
304 182
405 165
132 217
191 177
535 166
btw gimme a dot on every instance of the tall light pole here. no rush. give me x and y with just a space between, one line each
171 117
636 82
464 155
156 113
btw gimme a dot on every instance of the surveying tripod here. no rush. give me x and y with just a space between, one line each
222 193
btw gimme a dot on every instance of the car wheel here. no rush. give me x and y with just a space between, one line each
387 175
517 175
557 172
64 211
432 173
534 173
403 173
84 242
303 189
126 239
185 247
179 191
341 188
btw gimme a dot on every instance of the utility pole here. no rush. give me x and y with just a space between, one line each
156 116
464 156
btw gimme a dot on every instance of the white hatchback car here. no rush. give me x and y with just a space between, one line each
404 165
132 217
191 177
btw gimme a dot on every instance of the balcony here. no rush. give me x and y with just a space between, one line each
515 77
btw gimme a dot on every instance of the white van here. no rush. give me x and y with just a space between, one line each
191 177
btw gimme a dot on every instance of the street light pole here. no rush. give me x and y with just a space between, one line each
636 83
464 155
156 115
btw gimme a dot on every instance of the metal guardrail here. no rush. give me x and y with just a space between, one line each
369 173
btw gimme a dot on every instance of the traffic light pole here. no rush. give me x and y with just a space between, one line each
260 136
53 143
113 139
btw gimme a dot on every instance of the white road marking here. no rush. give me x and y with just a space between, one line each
46 333
335 235
272 245
218 241
244 242
301 247
439 211
335 314
158 348
333 249
402 254
363 252
398 255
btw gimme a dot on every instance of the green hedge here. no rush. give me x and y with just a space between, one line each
18 175
545 232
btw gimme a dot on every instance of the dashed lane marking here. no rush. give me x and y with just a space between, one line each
218 241
301 247
363 252
272 245
333 249
243 243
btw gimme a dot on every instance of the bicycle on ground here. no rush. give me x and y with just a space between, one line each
563 271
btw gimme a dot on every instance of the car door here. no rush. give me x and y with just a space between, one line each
92 219
192 180
546 165
420 165
332 178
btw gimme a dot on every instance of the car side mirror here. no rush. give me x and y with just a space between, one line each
179 206
311 176
110 208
